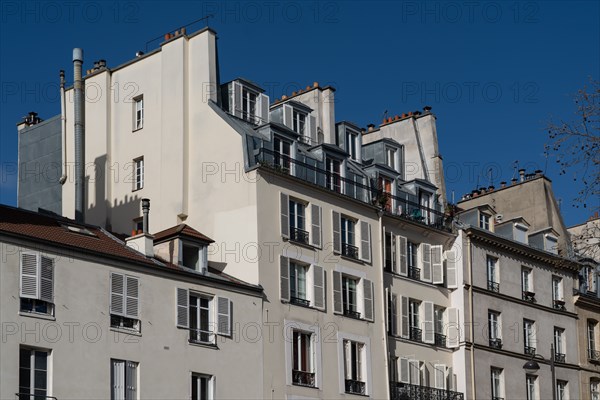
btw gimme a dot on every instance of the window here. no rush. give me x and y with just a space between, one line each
302 284
138 113
354 367
248 105
494 328
349 296
124 380
392 314
37 283
196 313
559 346
303 373
562 391
497 384
595 389
352 144
138 182
282 153
425 202
201 321
124 302
202 387
138 225
298 122
592 327
333 174
298 293
33 374
557 293
588 277
531 387
529 336
413 320
484 221
526 281
385 188
390 252
298 230
439 326
349 238
390 157
492 274
412 256
353 296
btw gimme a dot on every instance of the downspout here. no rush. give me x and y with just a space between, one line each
79 134
386 355
471 328
63 128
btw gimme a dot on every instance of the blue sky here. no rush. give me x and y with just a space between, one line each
494 72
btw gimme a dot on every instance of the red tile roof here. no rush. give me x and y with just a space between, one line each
181 230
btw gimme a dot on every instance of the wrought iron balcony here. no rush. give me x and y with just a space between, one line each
298 235
559 357
593 355
529 296
303 378
201 336
405 391
415 334
351 313
28 396
440 340
355 387
494 286
529 350
414 273
496 343
349 250
559 305
299 301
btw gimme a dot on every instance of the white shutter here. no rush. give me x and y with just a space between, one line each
315 219
183 303
117 294
337 232
453 335
337 292
415 372
437 264
284 209
29 276
131 381
47 279
404 316
451 269
118 380
263 112
368 299
365 241
223 316
428 329
439 376
312 130
131 297
393 317
402 246
237 100
287 116
348 359
319 286
425 250
404 372
284 278
451 380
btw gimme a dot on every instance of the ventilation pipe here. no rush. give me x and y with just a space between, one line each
63 128
146 215
79 134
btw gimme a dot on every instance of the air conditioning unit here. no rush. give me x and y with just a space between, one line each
498 217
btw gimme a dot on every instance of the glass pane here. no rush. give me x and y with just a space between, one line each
40 379
25 358
41 360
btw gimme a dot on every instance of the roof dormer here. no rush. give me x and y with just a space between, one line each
297 117
545 239
246 100
184 246
514 229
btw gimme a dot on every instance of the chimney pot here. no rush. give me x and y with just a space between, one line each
283 97
522 174
427 108
404 115
308 87
183 31
316 84
146 215
503 184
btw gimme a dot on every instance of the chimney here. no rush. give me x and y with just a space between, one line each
502 184
146 213
143 242
522 174
79 120
538 173
370 127
427 108
514 181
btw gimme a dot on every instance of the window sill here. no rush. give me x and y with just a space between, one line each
301 244
302 306
305 386
137 129
356 260
137 190
126 331
205 345
352 318
28 314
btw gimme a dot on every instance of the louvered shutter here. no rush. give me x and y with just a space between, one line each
315 219
348 359
284 208
117 294
365 241
337 292
237 100
451 380
368 299
131 381
183 303
29 276
439 376
451 269
284 278
223 316
428 329
404 316
132 297
337 232
47 279
118 378
425 262
437 264
319 287
287 116
415 372
393 317
263 101
453 335
312 130
404 370
402 255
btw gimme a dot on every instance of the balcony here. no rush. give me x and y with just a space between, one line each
440 340
298 235
299 301
415 334
559 305
494 286
355 387
529 296
405 391
352 314
559 357
530 351
594 356
201 336
350 251
303 378
496 343
28 396
414 273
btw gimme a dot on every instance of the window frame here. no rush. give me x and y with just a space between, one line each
484 221
296 266
210 381
138 113
348 293
300 338
138 173
527 279
209 309
492 269
497 382
391 154
494 325
126 395
32 371
559 340
592 328
333 173
299 121
562 390
249 113
531 391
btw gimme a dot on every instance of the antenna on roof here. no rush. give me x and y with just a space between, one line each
491 180
385 114
515 168
181 29
546 154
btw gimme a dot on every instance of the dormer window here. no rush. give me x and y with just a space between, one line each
299 122
247 101
520 233
390 157
334 176
282 153
352 144
484 221
551 244
249 105
193 256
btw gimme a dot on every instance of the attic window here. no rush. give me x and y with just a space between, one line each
484 221
193 256
520 233
551 244
79 230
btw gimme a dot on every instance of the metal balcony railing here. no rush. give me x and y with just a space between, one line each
529 296
405 391
352 314
559 357
496 343
494 286
588 294
300 301
440 340
298 235
349 250
303 378
529 350
414 273
415 334
28 396
355 387
559 305
593 355
201 336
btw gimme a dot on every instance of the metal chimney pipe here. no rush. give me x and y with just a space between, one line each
522 174
79 119
146 215
63 128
